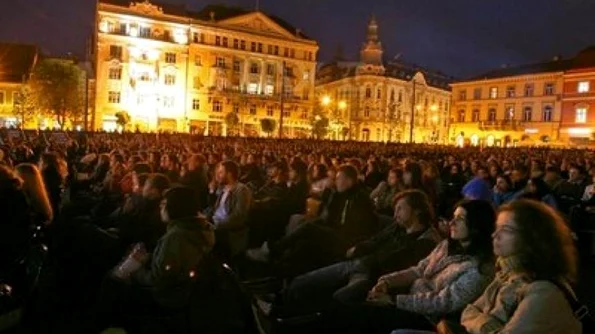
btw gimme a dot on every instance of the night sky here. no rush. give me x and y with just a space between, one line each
458 37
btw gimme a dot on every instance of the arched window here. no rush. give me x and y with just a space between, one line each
368 92
547 113
527 114
461 118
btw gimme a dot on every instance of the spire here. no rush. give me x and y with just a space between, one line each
371 52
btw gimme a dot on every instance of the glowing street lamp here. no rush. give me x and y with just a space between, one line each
342 105
434 108
326 100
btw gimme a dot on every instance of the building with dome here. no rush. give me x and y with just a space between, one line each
373 99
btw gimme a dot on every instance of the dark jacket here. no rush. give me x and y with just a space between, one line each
14 227
176 261
143 223
351 214
197 180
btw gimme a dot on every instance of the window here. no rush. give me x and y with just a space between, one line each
509 114
547 113
581 115
220 62
462 95
583 87
236 108
288 72
168 102
392 95
527 114
400 97
115 73
461 118
254 68
236 43
260 47
286 113
367 112
529 89
113 97
510 91
306 75
368 92
276 50
169 79
288 90
270 111
115 51
253 46
378 94
170 57
292 53
236 66
493 92
195 104
196 82
144 32
270 69
225 42
197 60
253 88
548 89
2 97
253 109
475 115
269 89
144 76
195 37
217 40
285 52
305 113
217 106
306 94
243 44
477 94
492 115
270 49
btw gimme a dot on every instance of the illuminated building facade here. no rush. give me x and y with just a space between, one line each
174 70
16 65
373 100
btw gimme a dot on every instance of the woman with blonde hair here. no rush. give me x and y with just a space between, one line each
35 190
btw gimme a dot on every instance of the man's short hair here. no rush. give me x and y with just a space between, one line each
181 202
231 168
159 182
349 171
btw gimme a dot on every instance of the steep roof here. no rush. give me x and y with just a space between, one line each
16 61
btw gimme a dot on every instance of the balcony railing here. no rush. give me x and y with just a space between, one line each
505 125
246 93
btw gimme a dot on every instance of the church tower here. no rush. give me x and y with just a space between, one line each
371 51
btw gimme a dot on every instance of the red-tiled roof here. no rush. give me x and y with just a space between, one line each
16 61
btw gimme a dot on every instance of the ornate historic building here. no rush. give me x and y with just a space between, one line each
172 69
532 104
373 99
16 64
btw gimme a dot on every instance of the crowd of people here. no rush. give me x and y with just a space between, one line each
375 236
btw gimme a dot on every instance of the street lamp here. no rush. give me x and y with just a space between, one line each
326 100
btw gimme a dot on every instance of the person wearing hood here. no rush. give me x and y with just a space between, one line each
477 188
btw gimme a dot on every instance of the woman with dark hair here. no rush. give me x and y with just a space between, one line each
372 176
412 176
452 276
385 192
502 192
536 261
538 190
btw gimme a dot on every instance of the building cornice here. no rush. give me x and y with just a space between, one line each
520 78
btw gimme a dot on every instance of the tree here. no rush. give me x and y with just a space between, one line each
57 87
122 119
24 105
232 121
320 124
268 125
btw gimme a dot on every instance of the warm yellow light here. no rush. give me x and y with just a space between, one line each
434 107
418 107
326 100
342 105
435 118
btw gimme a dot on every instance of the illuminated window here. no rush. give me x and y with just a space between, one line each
269 89
547 113
461 118
493 92
583 87
217 106
529 88
113 97
475 115
115 73
581 115
477 94
509 114
170 57
510 91
462 95
253 88
270 69
270 111
195 104
170 79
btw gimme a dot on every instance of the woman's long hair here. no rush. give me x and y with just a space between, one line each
34 188
547 249
481 221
